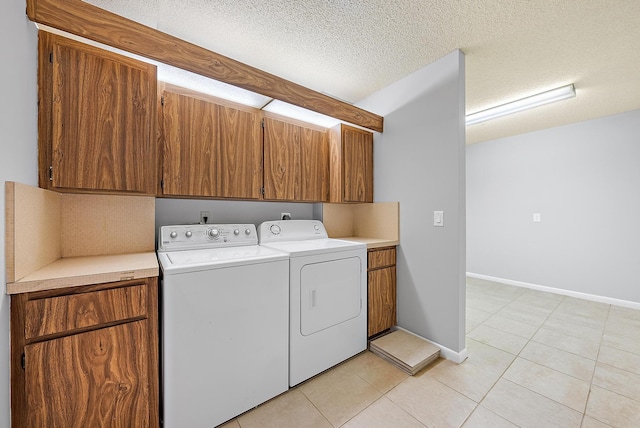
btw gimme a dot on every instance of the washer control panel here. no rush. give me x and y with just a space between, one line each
195 236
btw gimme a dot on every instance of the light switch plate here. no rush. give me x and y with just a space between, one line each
438 218
536 218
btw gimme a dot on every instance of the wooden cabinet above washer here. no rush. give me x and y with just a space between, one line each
210 149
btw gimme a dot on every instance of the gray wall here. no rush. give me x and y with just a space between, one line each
584 180
18 144
185 211
419 161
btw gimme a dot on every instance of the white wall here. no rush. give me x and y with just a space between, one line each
18 144
584 180
419 161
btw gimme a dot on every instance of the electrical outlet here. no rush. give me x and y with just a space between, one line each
205 216
285 216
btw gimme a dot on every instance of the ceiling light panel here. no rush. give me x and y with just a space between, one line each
299 113
205 85
522 104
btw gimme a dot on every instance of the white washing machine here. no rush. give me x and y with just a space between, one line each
225 323
327 295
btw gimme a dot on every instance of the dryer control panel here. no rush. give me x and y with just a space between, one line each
291 230
195 236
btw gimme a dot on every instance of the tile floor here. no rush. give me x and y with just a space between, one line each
535 360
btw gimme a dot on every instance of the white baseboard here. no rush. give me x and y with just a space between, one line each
451 355
577 294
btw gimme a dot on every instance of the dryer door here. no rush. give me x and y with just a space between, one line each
329 294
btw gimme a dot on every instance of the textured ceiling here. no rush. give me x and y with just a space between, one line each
350 49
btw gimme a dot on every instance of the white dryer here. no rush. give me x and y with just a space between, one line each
327 295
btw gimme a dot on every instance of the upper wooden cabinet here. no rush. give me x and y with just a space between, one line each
351 164
296 162
96 120
210 150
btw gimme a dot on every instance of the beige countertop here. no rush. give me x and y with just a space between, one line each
372 242
87 270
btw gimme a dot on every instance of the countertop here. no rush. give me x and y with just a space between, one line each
372 242
87 270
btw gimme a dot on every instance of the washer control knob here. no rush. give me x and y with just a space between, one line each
174 234
188 234
275 229
214 233
316 227
247 231
236 232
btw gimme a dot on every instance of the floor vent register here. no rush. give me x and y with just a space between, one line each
404 350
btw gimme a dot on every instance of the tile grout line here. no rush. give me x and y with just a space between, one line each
595 367
510 364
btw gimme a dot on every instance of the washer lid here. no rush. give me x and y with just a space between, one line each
315 246
217 258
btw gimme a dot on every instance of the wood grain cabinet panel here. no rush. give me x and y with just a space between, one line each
239 166
296 162
97 119
93 379
381 290
314 163
68 313
210 150
189 127
86 356
380 258
351 151
281 160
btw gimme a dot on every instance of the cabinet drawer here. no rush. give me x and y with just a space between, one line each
381 258
54 315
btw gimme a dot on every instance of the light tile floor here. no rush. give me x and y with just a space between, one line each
535 360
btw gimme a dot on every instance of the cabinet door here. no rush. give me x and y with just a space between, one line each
296 162
93 379
103 114
190 146
239 166
357 150
381 300
210 150
314 152
281 159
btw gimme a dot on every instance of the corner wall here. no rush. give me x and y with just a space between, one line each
419 160
18 146
584 180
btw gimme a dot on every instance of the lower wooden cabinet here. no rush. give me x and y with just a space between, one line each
381 296
86 356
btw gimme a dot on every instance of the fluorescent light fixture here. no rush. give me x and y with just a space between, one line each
537 100
299 113
198 83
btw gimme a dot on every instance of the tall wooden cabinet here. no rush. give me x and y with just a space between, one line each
351 154
381 264
86 356
210 149
96 120
296 162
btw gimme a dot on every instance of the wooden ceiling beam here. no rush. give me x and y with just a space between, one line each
91 22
